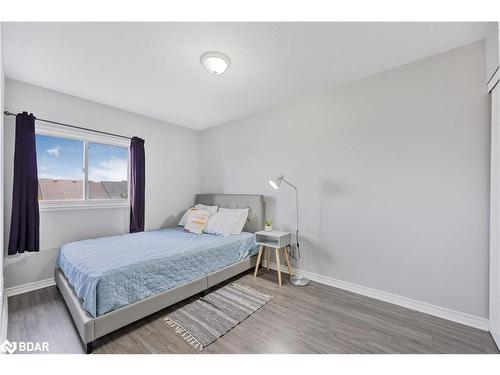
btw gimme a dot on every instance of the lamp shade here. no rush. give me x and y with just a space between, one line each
275 182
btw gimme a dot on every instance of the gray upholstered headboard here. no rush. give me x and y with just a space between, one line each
255 203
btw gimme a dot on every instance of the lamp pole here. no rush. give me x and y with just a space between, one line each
295 279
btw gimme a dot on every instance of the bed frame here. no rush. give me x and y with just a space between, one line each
90 328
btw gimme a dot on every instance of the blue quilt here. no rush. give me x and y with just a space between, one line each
111 272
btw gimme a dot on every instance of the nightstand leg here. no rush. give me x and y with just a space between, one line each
278 264
268 257
258 261
287 259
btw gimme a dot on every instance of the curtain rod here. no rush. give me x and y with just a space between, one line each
7 113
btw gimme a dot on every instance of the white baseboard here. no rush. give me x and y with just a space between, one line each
496 338
427 308
9 292
4 319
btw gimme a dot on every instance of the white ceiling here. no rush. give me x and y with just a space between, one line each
153 68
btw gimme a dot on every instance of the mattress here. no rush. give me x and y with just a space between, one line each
110 272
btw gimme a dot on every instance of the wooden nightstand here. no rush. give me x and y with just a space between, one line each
273 240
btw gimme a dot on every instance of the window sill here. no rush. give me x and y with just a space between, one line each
81 205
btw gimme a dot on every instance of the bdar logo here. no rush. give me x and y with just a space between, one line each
8 347
23 346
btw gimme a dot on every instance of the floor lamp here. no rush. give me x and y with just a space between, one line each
275 183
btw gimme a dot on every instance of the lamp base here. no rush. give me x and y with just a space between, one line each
299 280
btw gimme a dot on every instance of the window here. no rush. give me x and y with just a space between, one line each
76 169
108 170
60 168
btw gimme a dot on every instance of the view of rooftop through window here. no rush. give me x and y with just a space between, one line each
108 171
61 173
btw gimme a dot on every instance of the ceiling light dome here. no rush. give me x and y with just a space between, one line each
215 62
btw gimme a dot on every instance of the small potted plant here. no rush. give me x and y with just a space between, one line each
268 225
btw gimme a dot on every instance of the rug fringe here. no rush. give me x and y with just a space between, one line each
252 290
190 339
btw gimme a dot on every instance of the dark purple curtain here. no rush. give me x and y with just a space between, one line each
137 185
25 219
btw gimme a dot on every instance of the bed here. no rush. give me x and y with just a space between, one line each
110 282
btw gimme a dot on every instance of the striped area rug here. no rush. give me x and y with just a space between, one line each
208 318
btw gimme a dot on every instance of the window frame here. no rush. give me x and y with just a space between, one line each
86 137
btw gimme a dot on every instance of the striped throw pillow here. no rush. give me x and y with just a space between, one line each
196 220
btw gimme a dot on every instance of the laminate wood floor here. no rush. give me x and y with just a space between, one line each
312 319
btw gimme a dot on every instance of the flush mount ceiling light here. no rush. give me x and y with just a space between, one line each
215 62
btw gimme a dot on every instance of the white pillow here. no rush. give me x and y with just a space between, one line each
222 223
196 220
243 216
210 209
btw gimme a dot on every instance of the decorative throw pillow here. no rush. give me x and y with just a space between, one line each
222 223
243 216
211 209
196 220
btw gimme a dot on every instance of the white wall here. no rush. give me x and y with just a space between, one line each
172 175
492 59
492 50
393 172
3 319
